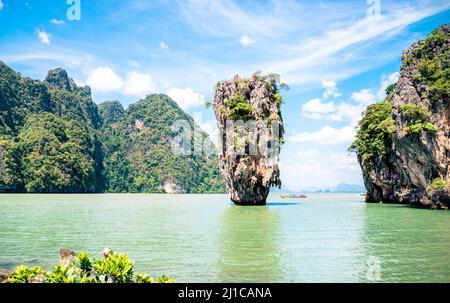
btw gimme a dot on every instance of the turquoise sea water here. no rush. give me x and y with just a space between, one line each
205 238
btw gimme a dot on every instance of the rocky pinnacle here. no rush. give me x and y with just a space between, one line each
250 135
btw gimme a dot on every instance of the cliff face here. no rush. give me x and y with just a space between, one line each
251 130
403 143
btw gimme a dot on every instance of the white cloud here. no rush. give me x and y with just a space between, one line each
138 84
44 37
365 97
315 106
57 22
327 49
104 79
310 169
246 40
385 82
186 97
331 89
163 45
1 5
211 130
348 112
326 136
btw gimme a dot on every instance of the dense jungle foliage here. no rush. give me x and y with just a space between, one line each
55 139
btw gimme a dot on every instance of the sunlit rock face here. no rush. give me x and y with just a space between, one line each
414 167
250 134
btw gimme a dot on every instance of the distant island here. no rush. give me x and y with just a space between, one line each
55 139
340 188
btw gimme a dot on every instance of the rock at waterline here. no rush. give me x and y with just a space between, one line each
250 134
403 143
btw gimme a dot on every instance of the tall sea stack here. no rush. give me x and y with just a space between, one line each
403 143
250 134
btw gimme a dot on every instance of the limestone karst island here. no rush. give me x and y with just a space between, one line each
224 142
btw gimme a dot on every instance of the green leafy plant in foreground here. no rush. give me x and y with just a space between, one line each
115 268
24 274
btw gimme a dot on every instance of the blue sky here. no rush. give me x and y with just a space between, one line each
336 56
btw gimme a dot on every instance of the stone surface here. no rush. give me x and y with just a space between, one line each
4 274
413 161
66 257
248 168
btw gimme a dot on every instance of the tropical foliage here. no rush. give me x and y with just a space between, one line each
53 138
434 66
115 268
375 130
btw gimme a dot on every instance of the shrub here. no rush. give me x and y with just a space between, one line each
83 261
240 108
391 88
438 184
433 58
24 274
116 268
374 132
417 119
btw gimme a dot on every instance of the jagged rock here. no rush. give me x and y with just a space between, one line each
66 257
4 274
107 252
417 147
251 130
171 187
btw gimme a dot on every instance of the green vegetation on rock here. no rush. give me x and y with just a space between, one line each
438 184
417 117
55 139
434 68
239 107
138 151
373 137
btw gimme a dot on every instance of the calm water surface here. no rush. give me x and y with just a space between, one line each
205 238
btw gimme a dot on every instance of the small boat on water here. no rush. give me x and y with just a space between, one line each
293 196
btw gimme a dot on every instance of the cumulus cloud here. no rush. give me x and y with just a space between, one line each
104 79
331 89
138 84
44 37
57 22
315 106
186 97
365 97
326 136
246 40
1 5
